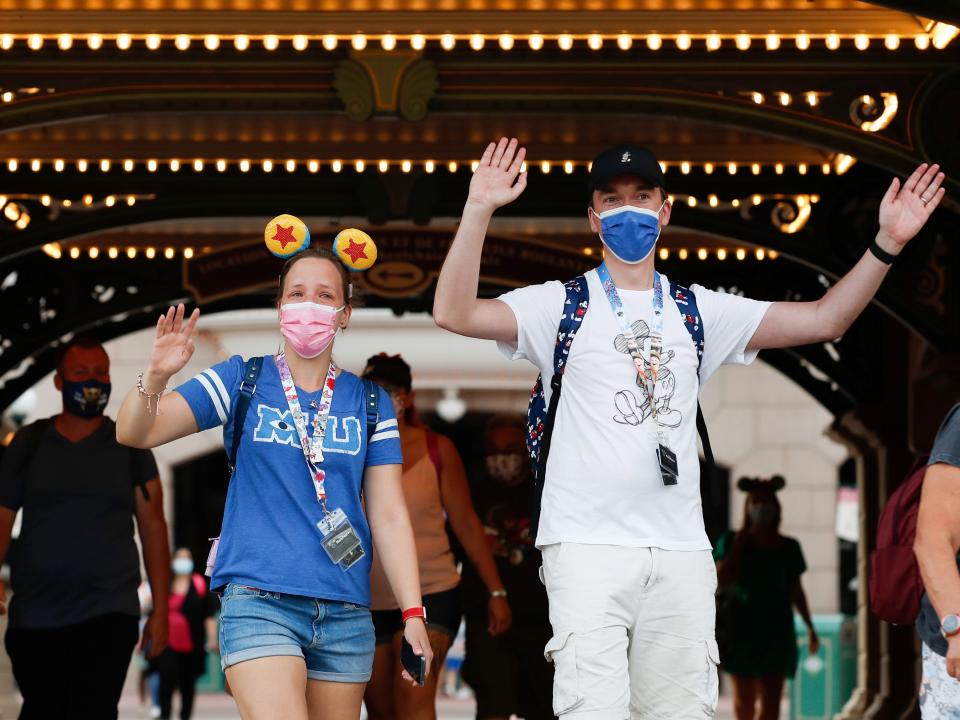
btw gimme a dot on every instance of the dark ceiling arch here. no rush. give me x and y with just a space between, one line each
832 384
784 123
107 300
944 10
840 229
659 86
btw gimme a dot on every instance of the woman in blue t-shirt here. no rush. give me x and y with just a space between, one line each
293 562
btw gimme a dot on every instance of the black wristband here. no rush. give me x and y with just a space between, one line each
882 255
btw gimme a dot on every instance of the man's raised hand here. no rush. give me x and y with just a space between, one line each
498 180
904 210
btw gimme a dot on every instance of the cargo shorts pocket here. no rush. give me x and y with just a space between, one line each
562 652
711 684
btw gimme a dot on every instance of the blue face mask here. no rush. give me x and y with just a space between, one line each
86 398
629 232
182 565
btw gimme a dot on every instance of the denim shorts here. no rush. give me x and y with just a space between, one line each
334 638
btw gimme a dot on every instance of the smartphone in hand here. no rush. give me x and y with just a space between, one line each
414 664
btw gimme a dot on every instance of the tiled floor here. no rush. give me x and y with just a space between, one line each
221 707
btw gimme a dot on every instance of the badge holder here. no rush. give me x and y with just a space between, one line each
669 471
340 540
212 556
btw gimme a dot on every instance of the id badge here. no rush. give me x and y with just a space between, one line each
212 556
340 540
669 472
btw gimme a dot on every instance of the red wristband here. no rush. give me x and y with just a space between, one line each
416 612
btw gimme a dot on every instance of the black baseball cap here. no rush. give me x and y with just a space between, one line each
625 159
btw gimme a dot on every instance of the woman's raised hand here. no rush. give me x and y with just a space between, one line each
172 345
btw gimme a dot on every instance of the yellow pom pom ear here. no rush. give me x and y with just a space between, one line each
355 249
286 235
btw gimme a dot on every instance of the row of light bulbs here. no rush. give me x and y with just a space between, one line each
17 213
783 98
56 251
840 165
939 37
715 202
704 254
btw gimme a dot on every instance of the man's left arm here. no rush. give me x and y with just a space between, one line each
903 212
156 558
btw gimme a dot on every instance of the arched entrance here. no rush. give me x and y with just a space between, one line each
169 129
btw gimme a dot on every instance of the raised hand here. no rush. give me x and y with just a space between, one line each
903 211
498 180
172 345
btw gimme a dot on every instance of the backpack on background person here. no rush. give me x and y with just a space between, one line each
895 583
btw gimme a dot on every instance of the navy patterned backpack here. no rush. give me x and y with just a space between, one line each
541 417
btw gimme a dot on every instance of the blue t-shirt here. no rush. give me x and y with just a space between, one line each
270 538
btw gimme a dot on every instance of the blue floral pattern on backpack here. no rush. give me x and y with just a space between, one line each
574 308
687 305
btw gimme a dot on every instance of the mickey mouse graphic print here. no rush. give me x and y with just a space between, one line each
603 484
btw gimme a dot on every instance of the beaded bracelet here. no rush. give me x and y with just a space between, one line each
154 397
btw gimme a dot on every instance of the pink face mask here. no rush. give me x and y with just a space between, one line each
309 328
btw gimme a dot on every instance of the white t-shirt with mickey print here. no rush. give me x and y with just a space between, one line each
603 483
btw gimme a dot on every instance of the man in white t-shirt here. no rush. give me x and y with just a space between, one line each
626 560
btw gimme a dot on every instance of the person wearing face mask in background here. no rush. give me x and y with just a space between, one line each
759 585
619 520
507 672
313 487
435 489
193 633
74 568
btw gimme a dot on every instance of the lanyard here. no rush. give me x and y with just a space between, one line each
649 378
312 446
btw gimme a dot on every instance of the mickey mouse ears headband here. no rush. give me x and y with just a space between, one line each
287 235
774 484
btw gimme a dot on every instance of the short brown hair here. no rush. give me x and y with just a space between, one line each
81 341
318 254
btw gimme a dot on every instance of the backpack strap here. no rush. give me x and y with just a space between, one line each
248 386
686 302
199 585
575 306
371 401
433 450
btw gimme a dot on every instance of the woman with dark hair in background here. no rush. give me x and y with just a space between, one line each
435 489
758 572
193 632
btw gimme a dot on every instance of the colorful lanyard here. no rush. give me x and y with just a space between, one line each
633 345
312 446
